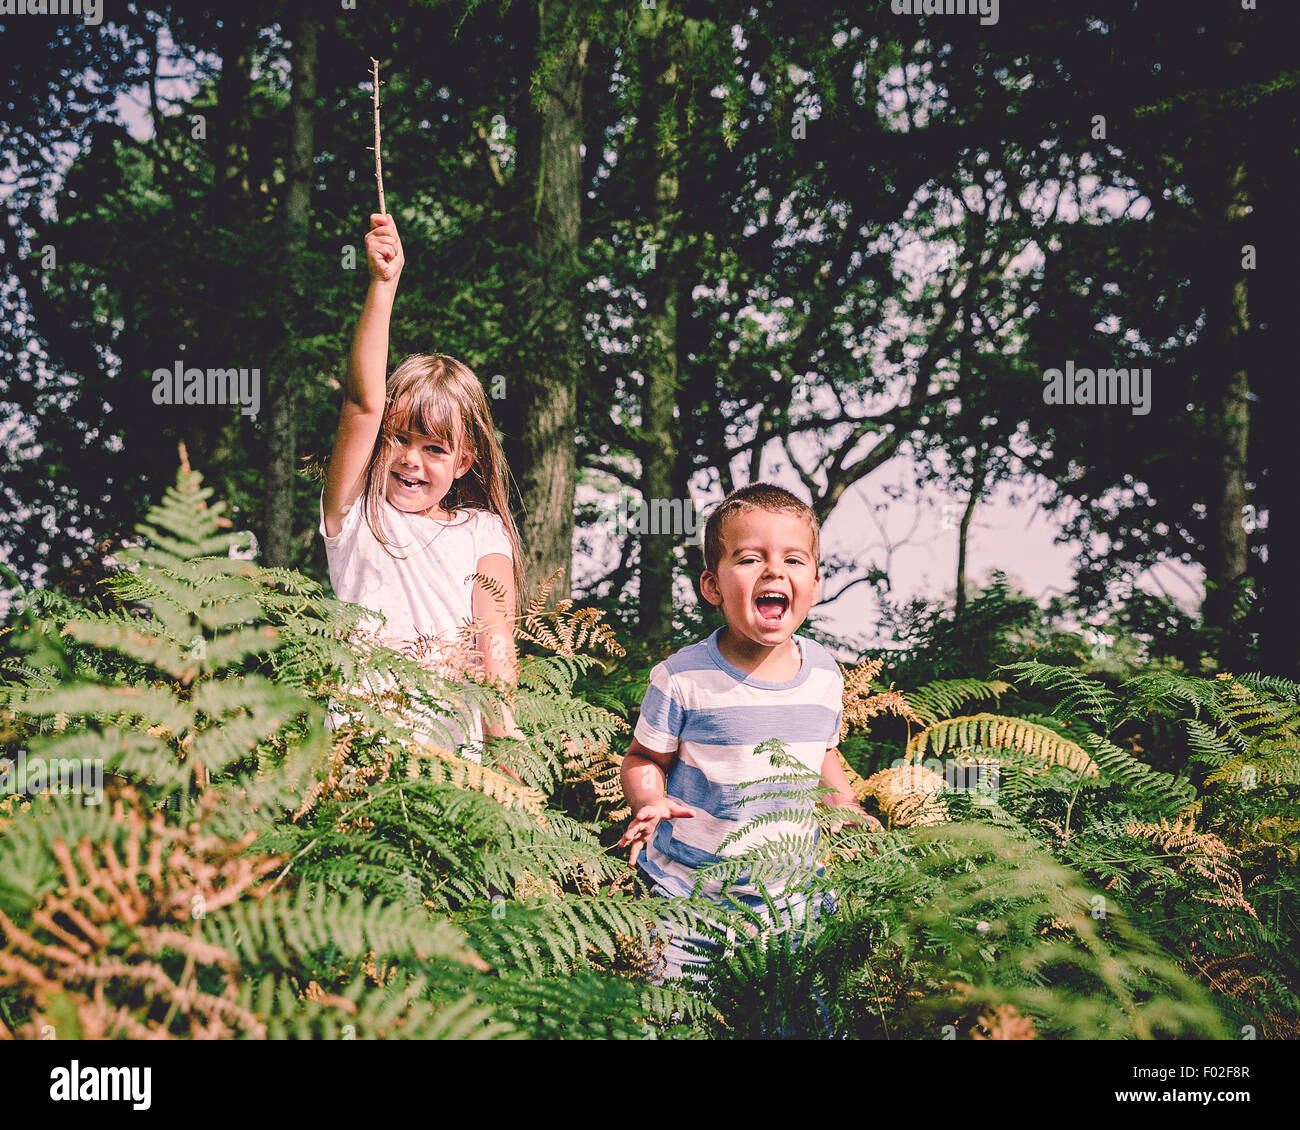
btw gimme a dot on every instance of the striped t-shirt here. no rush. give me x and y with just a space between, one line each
713 715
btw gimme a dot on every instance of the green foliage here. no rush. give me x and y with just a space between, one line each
266 876
1094 898
241 870
941 698
940 926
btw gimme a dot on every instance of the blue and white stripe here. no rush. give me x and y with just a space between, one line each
713 715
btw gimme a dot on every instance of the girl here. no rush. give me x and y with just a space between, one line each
415 495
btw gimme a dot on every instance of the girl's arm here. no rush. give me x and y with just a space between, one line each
496 641
363 398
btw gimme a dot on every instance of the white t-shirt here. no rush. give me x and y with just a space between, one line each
429 593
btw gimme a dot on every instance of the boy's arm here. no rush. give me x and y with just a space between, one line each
364 395
645 781
834 777
645 775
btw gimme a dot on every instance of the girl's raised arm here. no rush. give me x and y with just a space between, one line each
363 398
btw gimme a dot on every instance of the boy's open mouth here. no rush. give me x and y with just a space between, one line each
410 484
771 606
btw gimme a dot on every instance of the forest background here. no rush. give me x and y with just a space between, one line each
685 246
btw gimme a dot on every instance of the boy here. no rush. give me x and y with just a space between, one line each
709 705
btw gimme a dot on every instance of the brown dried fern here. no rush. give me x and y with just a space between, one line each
862 703
1201 854
910 796
565 631
597 765
118 982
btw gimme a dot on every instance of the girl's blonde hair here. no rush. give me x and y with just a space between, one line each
438 396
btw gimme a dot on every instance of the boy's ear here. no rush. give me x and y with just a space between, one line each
709 587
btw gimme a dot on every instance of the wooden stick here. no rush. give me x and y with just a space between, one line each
379 165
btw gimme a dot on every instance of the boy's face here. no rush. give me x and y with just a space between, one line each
767 577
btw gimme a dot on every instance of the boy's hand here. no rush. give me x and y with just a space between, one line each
647 820
854 813
384 249
858 816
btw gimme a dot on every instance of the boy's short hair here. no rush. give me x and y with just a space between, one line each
756 496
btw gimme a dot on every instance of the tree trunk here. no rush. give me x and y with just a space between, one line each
1272 434
963 536
233 126
688 334
540 410
282 379
1227 557
229 211
658 114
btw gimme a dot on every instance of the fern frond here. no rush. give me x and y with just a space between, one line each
863 702
997 731
1166 793
1097 977
909 796
940 699
1202 854
445 765
1082 697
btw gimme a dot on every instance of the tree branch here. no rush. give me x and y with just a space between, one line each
379 163
493 164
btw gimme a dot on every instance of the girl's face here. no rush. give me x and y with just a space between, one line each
421 472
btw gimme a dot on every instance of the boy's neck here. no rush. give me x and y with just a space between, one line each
778 664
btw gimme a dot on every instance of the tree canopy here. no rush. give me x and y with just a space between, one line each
689 246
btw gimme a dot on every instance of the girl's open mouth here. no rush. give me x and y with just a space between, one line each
409 484
772 607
